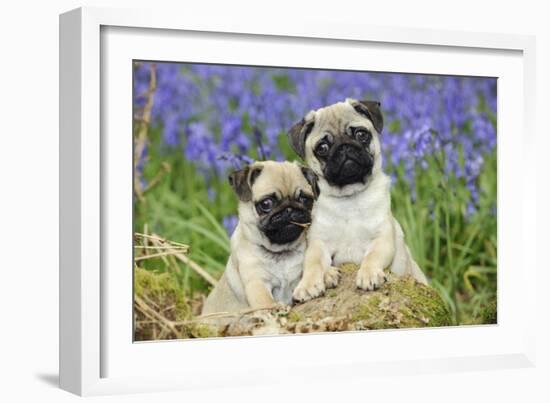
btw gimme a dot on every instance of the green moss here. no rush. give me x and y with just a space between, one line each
332 293
402 304
161 291
202 331
489 313
294 316
367 310
428 306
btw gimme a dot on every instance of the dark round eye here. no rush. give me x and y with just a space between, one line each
322 149
362 135
305 199
265 205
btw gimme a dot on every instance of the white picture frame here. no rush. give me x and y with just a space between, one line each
94 343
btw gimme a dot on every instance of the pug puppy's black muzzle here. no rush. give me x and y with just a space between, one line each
349 162
286 223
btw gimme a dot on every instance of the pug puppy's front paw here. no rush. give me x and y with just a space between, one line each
309 287
332 277
370 278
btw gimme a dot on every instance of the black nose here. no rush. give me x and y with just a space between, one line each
349 168
299 216
283 215
347 149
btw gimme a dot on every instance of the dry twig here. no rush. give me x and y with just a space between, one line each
150 313
175 249
141 137
191 264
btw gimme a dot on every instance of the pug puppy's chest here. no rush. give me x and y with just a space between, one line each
283 273
348 225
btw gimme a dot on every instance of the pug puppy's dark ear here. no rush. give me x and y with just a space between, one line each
297 136
313 181
371 110
241 181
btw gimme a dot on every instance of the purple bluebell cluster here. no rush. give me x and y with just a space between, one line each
223 116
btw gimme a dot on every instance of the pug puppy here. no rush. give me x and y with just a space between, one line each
268 244
352 219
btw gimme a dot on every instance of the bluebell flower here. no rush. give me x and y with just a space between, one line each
223 115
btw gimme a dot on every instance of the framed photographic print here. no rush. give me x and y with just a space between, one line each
250 193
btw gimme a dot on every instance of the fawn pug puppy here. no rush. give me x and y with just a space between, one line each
352 219
268 244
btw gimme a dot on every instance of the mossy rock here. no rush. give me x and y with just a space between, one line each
489 313
401 302
160 290
172 317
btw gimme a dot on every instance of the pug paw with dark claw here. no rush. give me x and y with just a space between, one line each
369 279
332 277
309 288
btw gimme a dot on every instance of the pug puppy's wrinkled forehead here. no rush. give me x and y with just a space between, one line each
334 120
283 179
267 177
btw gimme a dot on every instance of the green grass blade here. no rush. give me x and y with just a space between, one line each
213 221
